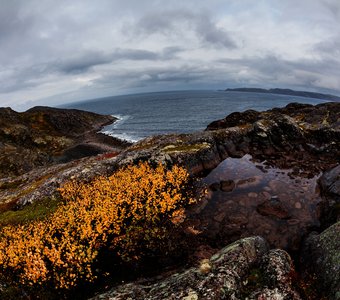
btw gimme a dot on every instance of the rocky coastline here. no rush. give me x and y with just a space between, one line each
43 136
225 256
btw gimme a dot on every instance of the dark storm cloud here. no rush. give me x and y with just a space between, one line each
173 22
213 35
81 63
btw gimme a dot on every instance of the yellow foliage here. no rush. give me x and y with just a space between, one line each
119 212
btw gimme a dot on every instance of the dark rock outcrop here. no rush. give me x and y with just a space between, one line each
42 136
235 119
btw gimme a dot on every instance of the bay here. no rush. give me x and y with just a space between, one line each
143 115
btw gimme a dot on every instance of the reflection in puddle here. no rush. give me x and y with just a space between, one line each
247 198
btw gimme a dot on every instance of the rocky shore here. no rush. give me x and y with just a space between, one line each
43 136
266 228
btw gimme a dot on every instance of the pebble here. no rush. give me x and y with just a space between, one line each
293 221
273 184
298 205
219 217
252 195
242 202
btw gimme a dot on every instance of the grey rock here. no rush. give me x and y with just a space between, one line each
224 281
330 188
321 255
223 276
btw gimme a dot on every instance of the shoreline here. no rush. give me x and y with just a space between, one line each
93 143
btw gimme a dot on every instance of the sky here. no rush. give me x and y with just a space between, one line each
55 52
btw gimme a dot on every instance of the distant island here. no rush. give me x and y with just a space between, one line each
287 92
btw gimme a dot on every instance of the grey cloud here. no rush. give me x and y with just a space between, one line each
171 22
81 63
138 54
329 47
173 77
134 54
333 6
171 52
11 21
275 71
212 34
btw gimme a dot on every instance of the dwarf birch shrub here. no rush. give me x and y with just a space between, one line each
130 208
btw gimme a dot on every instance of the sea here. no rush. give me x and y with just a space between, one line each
148 114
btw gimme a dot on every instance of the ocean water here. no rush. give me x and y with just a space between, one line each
143 115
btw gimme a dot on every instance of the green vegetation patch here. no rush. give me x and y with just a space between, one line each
36 211
186 148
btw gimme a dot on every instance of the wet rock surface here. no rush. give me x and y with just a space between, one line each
263 201
274 208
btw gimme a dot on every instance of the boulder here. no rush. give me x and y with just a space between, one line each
223 276
321 256
217 278
278 282
329 184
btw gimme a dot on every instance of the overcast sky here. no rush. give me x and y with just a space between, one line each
54 52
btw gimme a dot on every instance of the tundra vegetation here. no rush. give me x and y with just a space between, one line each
126 214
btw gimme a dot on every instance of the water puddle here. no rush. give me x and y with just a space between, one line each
247 198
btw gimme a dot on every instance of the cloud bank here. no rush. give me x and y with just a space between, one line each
54 52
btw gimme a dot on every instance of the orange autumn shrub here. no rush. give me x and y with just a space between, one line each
121 212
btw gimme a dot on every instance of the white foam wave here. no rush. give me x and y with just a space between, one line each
120 119
110 129
122 136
